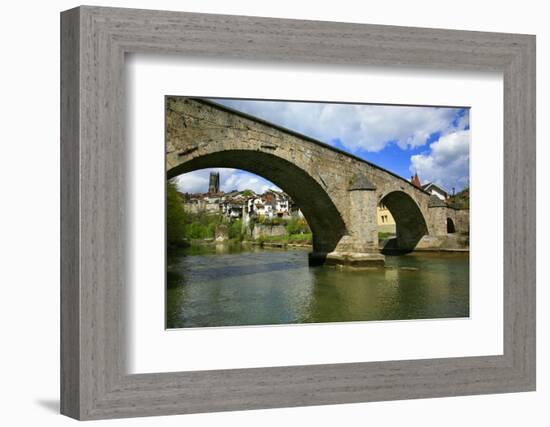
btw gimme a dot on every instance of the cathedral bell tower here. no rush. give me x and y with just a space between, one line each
214 184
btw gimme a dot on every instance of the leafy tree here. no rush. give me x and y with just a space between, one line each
461 200
235 230
175 215
195 230
211 229
297 226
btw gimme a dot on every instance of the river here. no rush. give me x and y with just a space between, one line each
234 285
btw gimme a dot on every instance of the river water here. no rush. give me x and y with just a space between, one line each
233 285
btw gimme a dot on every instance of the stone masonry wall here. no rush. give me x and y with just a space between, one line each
263 230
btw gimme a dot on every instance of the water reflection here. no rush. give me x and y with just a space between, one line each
211 286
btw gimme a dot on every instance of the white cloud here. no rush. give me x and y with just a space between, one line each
193 182
230 179
447 161
358 127
247 181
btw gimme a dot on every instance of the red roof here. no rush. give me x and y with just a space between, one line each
416 181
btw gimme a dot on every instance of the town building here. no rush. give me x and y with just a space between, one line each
436 190
430 187
202 202
386 223
384 215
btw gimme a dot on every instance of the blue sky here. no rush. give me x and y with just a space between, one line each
432 141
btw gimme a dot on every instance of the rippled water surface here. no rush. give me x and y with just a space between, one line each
229 286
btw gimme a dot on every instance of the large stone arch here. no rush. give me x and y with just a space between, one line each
410 223
320 212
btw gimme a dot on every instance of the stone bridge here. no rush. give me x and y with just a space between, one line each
337 192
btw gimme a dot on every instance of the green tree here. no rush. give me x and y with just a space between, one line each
297 226
461 200
175 215
235 230
196 230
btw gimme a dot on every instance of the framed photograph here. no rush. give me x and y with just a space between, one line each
262 213
322 206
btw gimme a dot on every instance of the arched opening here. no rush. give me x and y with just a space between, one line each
318 209
410 225
450 226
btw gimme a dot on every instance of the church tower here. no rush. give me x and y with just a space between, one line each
214 184
416 181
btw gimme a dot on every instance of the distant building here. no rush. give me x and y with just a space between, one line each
436 190
384 215
202 202
416 181
385 220
214 184
272 204
430 187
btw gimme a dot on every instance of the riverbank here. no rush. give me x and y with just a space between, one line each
284 242
301 240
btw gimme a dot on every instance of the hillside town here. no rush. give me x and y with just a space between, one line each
243 205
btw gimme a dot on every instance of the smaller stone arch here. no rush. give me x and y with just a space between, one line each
410 223
450 226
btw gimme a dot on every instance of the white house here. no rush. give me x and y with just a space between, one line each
436 190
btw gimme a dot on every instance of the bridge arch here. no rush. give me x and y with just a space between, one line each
410 223
324 219
450 226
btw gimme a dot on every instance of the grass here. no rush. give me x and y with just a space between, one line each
302 238
383 235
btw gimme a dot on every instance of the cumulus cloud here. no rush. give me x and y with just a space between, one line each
246 181
447 161
192 182
230 179
357 127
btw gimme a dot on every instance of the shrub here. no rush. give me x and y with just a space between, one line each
175 215
297 226
196 230
235 230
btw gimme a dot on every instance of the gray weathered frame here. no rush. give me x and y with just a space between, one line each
94 40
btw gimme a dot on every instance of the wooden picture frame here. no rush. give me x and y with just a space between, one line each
94 383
